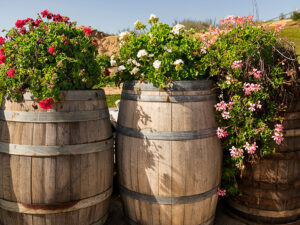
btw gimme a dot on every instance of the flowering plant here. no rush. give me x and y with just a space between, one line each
257 77
160 54
45 57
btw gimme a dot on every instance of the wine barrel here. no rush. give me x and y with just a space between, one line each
270 188
169 157
56 166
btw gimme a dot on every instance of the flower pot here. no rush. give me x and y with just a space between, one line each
168 155
56 165
270 187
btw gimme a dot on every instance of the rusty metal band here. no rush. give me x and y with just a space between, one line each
45 151
166 135
78 95
168 200
195 85
53 117
208 222
43 209
102 220
168 98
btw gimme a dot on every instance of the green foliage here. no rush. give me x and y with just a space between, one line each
72 66
262 69
197 25
160 55
295 16
111 99
281 17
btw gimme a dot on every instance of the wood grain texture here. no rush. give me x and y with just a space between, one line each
166 168
57 189
270 187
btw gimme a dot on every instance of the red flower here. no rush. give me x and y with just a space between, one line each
11 72
87 31
37 23
2 41
49 16
58 18
66 42
107 72
20 23
1 51
23 30
29 19
51 50
46 103
45 13
2 59
66 19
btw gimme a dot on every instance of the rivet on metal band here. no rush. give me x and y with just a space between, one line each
168 200
168 98
53 117
165 135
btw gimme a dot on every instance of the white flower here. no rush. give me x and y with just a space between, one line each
142 53
167 49
134 70
151 55
113 62
135 63
156 64
129 61
178 61
152 16
121 68
123 35
177 28
150 35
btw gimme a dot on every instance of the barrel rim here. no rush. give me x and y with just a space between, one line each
183 85
71 95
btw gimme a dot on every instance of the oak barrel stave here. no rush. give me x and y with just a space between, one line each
56 187
270 187
169 163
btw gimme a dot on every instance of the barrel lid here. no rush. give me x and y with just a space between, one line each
185 85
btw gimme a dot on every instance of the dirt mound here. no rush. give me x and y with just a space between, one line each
107 45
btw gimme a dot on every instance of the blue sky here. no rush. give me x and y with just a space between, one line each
112 16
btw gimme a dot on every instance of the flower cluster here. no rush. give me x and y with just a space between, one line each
221 192
159 54
278 134
53 56
251 82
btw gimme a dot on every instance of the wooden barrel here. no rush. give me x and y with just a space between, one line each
271 187
169 157
56 166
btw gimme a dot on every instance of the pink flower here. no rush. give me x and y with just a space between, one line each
2 41
237 64
11 72
221 133
258 105
249 88
228 80
1 51
252 107
221 192
255 87
46 103
230 105
278 27
51 50
240 166
37 23
87 31
225 115
58 18
221 106
250 148
236 152
278 134
23 30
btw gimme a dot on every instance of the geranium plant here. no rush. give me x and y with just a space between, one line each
160 54
47 55
257 78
